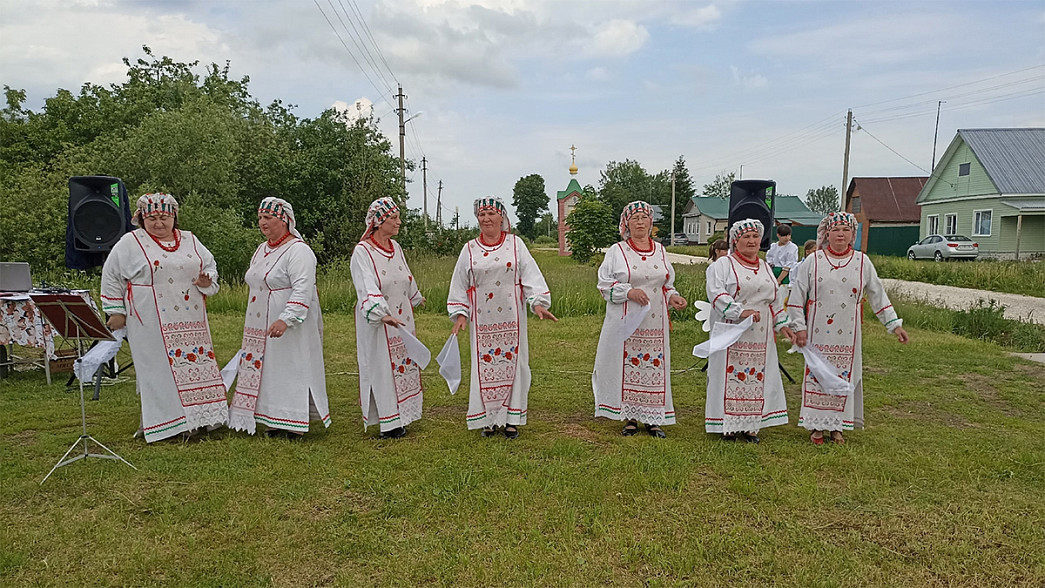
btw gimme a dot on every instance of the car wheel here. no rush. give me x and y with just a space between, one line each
910 255
937 256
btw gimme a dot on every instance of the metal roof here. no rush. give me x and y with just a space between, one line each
888 199
1013 158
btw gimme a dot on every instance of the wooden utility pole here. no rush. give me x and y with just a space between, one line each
402 141
845 163
672 207
424 187
936 133
439 206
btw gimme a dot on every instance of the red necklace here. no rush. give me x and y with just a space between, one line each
751 264
499 241
848 251
390 249
278 242
168 249
632 244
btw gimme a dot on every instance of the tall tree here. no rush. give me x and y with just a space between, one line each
823 199
592 226
719 187
530 200
624 182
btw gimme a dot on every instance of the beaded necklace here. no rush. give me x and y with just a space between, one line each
848 251
272 246
168 248
378 245
751 264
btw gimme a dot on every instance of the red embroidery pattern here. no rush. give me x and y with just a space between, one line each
644 380
497 346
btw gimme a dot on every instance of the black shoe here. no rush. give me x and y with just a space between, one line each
751 438
630 428
489 431
656 431
283 434
729 436
395 433
510 431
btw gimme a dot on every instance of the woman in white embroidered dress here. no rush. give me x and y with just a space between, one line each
155 282
632 375
745 392
390 391
825 308
282 382
494 279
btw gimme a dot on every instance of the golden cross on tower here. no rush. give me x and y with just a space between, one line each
573 160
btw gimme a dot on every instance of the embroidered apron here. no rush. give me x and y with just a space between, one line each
495 316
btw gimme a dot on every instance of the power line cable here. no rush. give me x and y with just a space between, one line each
349 51
359 42
373 42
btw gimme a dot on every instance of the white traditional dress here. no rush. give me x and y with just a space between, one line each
390 392
281 380
745 392
632 377
492 285
177 375
832 291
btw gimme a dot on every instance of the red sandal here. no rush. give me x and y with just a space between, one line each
816 440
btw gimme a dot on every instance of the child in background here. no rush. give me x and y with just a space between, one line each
717 249
782 255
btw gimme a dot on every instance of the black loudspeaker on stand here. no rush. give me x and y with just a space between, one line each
754 199
99 214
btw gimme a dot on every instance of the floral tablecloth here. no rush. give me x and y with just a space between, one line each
22 324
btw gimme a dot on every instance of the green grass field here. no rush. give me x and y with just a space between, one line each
944 488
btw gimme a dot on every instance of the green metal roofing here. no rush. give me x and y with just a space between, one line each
789 209
572 187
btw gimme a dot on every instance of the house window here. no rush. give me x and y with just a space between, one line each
963 169
932 223
709 228
951 224
981 223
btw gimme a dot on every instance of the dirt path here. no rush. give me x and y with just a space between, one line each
1017 307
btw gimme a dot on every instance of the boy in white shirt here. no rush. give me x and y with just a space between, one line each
782 255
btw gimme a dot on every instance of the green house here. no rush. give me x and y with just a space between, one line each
990 186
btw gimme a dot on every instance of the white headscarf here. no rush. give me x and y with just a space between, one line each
832 220
282 210
495 204
378 213
744 226
631 210
150 204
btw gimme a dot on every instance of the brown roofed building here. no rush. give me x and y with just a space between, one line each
886 210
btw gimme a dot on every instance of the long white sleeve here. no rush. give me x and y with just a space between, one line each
300 267
372 303
612 274
210 267
721 285
879 299
534 287
801 278
457 300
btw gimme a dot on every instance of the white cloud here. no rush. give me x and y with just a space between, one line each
618 38
701 18
598 74
748 81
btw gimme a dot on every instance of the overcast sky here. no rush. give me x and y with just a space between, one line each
504 87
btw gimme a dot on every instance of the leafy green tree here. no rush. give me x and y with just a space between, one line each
719 187
530 199
546 226
823 199
684 191
592 227
624 182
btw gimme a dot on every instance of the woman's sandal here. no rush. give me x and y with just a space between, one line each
489 431
817 440
750 437
510 431
630 428
656 431
836 438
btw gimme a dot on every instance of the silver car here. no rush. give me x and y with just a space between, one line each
941 247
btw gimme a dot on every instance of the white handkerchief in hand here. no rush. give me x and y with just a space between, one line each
825 373
228 373
415 349
632 321
449 360
703 314
722 336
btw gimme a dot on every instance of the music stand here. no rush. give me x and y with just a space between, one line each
72 318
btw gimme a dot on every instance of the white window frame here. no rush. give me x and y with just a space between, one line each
950 222
932 224
976 222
